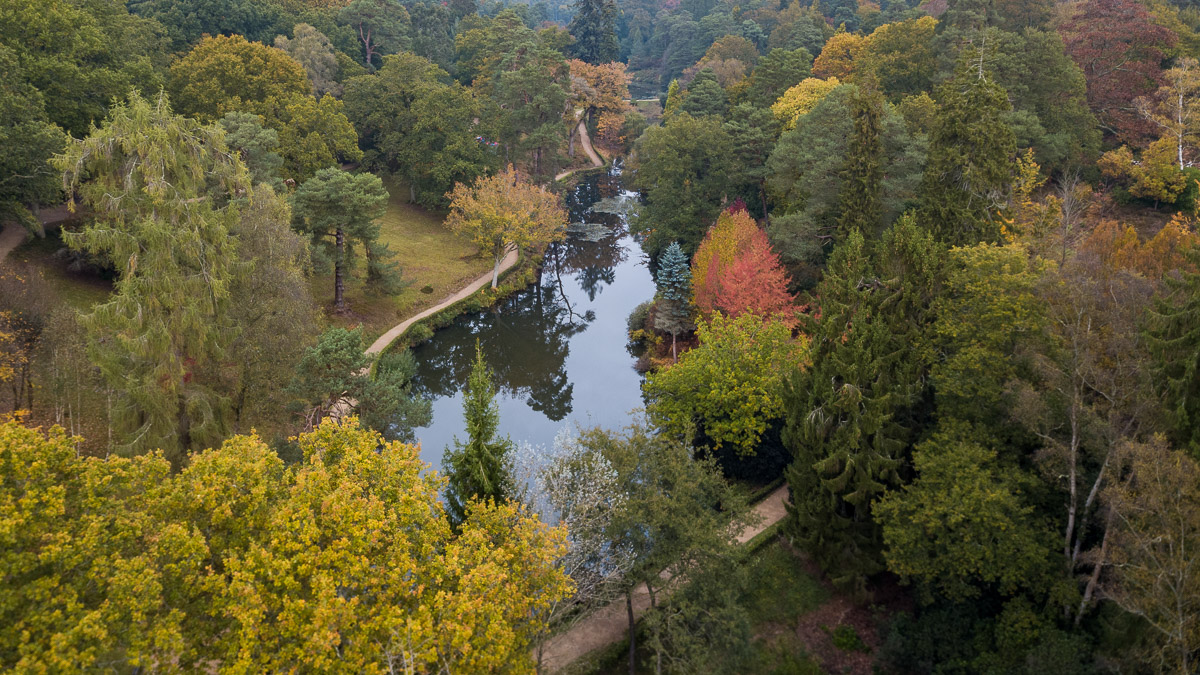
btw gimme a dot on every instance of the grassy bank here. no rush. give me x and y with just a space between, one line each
435 261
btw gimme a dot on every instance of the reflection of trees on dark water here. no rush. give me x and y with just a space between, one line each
525 340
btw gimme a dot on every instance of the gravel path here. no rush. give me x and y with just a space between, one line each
610 623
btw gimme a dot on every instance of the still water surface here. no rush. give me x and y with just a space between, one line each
558 348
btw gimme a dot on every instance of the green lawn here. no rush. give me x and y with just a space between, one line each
432 258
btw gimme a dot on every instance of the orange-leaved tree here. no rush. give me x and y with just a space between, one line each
736 272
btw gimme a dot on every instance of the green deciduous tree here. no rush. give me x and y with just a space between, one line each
704 96
682 167
962 526
336 209
414 125
731 385
382 27
230 74
28 139
313 50
775 73
160 188
482 467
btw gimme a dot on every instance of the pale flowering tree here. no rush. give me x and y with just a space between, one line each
576 486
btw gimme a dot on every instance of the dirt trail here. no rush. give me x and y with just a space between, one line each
610 623
586 142
11 236
386 339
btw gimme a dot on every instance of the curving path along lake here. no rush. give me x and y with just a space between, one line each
558 348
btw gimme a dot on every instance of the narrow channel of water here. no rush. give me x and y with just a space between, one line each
558 348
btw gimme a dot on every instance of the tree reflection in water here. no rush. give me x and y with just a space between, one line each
526 340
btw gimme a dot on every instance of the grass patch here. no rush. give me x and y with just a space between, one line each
435 261
80 290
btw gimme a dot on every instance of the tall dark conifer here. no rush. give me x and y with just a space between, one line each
860 199
850 416
1174 340
972 157
595 30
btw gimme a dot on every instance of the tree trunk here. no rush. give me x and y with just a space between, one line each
496 270
339 283
632 637
412 194
1095 577
674 356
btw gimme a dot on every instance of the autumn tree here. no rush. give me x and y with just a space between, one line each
1175 107
505 211
1154 176
799 100
480 468
1120 47
338 209
601 90
1156 514
837 57
234 560
719 249
161 339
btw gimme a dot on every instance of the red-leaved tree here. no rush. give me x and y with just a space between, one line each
755 283
1120 50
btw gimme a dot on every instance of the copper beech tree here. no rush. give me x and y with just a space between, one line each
506 211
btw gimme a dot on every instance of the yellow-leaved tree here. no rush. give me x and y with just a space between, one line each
506 210
801 99
343 562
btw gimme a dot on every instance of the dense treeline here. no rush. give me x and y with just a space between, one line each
936 264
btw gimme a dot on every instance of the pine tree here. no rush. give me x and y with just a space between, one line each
595 30
860 199
673 312
1174 340
481 468
161 189
972 157
840 420
674 99
337 208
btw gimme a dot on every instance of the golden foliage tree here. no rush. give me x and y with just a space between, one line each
344 562
801 99
506 210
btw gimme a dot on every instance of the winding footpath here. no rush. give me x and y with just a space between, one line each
396 331
610 624
586 142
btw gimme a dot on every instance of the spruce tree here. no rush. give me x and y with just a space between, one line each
840 420
481 468
860 198
1174 340
595 31
673 312
972 157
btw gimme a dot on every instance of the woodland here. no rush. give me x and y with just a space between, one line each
931 268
